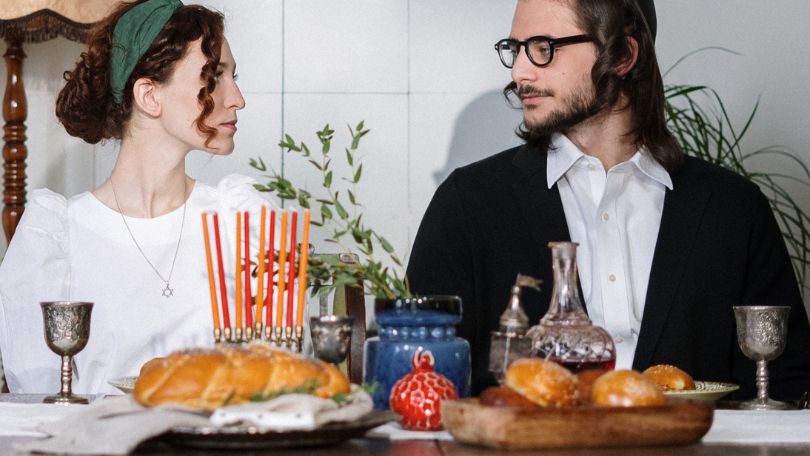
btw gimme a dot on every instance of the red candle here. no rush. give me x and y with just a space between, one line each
248 292
261 267
223 291
291 276
271 260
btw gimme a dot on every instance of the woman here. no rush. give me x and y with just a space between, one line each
160 77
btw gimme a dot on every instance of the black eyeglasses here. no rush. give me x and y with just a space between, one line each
539 49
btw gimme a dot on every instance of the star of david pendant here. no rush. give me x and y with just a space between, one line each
168 291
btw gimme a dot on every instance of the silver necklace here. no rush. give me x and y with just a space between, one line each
168 291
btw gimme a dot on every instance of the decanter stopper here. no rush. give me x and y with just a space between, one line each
565 334
511 342
514 320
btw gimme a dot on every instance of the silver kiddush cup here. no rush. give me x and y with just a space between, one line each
67 329
762 336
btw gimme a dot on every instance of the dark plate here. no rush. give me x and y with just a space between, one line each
241 437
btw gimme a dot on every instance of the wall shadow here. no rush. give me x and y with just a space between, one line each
485 127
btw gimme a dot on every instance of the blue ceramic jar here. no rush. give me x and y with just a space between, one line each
406 325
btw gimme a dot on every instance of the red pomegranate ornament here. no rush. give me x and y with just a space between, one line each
417 396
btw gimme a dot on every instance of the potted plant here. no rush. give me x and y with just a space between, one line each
407 324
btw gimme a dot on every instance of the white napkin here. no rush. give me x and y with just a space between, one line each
118 425
748 426
25 419
295 412
393 431
110 426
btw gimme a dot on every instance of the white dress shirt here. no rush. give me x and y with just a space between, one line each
615 217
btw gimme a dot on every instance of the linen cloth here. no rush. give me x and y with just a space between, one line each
26 419
118 425
80 249
751 426
615 216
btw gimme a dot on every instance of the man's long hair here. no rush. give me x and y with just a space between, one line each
609 23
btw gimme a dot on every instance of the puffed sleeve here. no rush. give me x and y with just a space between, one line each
35 269
238 194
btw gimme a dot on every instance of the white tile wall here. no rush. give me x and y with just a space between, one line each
384 183
451 130
350 46
424 76
452 44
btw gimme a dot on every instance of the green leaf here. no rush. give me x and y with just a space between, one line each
316 164
340 210
352 198
385 244
349 157
326 213
327 180
358 174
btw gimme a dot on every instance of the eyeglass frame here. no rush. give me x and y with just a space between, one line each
553 43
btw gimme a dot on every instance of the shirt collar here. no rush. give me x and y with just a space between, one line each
563 154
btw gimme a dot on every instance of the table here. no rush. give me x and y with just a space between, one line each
374 447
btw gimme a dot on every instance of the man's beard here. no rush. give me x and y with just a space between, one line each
579 106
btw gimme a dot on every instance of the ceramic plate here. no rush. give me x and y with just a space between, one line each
241 437
705 391
125 384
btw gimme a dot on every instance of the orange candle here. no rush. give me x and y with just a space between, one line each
271 261
282 260
238 292
303 265
260 279
212 287
291 277
248 292
223 291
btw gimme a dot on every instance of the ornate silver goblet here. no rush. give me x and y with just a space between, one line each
331 337
67 329
762 335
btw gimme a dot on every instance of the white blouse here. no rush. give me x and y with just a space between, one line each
80 249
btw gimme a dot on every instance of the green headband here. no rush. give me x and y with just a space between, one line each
132 36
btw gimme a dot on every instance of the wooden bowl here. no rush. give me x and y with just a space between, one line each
678 422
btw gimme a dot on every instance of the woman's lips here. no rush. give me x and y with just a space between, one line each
230 126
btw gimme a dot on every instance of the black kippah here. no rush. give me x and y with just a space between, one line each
648 9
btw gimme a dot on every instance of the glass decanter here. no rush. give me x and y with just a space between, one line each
565 334
510 342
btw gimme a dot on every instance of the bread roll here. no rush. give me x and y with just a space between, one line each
224 375
585 380
502 396
543 382
626 388
670 378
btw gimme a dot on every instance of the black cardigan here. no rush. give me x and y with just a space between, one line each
718 246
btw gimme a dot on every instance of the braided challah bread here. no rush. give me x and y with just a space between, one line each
225 375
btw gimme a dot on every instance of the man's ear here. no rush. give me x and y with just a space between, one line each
145 98
630 61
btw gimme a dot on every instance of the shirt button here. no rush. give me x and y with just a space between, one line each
612 278
618 339
605 216
590 166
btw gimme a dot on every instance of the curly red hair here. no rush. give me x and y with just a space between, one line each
85 105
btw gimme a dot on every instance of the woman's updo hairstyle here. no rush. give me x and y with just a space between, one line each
85 106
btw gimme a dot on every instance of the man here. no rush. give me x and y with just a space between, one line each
667 243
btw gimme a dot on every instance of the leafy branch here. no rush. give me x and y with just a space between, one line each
346 227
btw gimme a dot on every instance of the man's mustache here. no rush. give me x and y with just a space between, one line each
532 91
